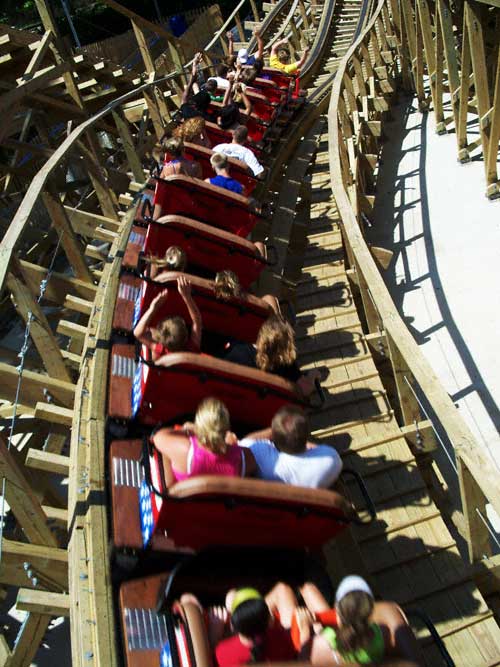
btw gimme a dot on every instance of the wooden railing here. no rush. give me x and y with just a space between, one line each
366 79
449 54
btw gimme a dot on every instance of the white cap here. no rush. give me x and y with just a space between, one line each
350 584
242 56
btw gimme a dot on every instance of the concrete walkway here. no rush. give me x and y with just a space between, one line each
445 274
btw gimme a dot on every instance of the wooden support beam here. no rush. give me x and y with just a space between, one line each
128 145
28 640
78 305
54 414
58 515
69 241
105 195
40 80
49 563
48 462
59 284
84 222
43 602
71 329
38 56
35 387
473 501
22 500
40 331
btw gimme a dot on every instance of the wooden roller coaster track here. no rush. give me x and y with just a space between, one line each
73 171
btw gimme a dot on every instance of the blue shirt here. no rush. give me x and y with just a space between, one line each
228 183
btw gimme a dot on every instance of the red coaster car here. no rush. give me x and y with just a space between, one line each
210 510
193 198
159 630
235 318
238 169
208 249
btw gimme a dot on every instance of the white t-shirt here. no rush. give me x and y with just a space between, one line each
240 153
221 83
315 468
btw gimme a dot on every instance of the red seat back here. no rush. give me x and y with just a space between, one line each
237 318
192 198
164 393
237 169
207 248
209 511
278 77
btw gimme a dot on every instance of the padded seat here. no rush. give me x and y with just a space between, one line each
154 394
251 396
219 136
207 248
238 169
193 198
236 318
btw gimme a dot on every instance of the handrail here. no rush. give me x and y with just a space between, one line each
467 451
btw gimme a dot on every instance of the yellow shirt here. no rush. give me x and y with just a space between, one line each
288 69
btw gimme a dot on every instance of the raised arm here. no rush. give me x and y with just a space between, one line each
301 62
230 46
260 43
184 287
245 100
189 86
276 46
142 331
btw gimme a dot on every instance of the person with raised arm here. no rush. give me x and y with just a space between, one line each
280 57
171 334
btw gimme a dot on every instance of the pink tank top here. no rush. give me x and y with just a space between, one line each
202 462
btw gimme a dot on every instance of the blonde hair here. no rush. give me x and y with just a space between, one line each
175 259
211 423
190 129
174 146
275 344
218 161
227 286
171 332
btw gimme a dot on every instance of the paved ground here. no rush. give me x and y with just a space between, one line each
445 274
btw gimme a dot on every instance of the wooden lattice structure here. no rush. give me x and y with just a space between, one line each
77 135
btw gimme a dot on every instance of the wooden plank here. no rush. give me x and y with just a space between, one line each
40 331
22 501
54 414
78 305
28 640
49 564
69 241
39 54
48 462
128 145
40 80
59 284
35 387
43 602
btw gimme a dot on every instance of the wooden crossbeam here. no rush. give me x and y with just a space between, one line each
48 462
40 331
50 563
35 387
40 51
40 80
43 602
71 245
28 640
22 500
59 284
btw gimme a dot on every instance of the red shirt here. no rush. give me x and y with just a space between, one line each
277 646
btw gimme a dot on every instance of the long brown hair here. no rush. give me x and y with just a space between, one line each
227 286
275 344
190 129
172 333
355 631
